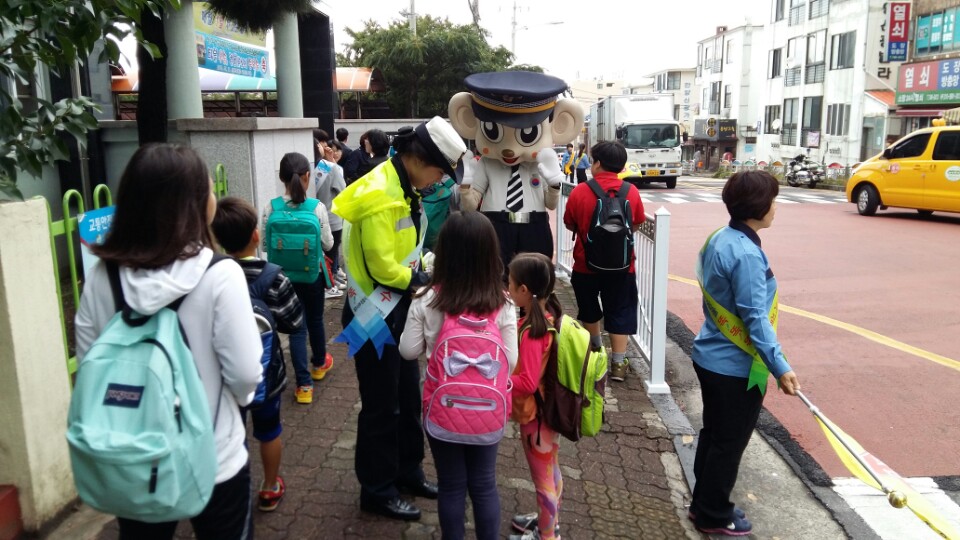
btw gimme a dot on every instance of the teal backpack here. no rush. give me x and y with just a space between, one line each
139 430
574 381
293 240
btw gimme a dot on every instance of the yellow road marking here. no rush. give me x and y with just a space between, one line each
862 332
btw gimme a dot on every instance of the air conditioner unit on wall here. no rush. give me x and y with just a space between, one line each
792 62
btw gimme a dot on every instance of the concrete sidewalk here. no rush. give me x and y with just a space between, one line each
625 483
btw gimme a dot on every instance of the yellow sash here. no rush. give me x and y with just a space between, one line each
568 168
734 329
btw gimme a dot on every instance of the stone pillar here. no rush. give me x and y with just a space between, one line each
33 370
287 44
183 77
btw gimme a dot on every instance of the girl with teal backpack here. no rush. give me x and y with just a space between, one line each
154 426
296 231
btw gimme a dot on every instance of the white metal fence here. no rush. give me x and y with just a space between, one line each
652 244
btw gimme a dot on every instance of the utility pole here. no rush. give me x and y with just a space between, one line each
513 29
475 11
412 17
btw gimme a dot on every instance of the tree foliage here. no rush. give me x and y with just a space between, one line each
56 34
257 15
422 72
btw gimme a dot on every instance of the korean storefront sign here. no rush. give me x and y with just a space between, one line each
898 23
926 83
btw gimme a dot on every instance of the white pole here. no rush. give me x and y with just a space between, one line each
657 383
413 17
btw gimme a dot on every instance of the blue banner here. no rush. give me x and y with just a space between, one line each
923 33
231 57
936 30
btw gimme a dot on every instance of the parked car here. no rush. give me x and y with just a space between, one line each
920 171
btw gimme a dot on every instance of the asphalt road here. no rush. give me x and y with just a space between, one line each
869 320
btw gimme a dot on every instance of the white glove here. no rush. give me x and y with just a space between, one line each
549 167
428 259
469 163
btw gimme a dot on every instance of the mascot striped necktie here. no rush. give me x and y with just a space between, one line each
515 190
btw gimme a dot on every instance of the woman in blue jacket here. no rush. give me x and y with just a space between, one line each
736 349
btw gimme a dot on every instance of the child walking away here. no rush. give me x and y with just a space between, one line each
295 230
531 283
603 214
235 226
328 183
465 324
157 288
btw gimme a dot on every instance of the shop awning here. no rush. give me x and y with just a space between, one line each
920 112
359 79
887 97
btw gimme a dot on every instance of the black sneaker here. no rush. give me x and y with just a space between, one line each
737 527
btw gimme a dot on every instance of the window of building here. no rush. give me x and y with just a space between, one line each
793 46
730 51
792 77
775 67
842 50
673 80
812 121
771 114
788 131
948 146
819 8
923 34
778 10
727 96
676 112
816 52
599 86
838 119
609 85
715 98
796 12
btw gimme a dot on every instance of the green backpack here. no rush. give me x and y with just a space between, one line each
293 240
573 382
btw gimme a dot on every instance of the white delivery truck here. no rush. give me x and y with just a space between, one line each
645 125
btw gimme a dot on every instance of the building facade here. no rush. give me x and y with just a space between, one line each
724 124
819 78
929 83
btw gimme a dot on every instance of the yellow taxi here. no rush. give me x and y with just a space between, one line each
920 171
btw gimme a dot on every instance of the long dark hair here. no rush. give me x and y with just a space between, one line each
292 166
535 270
467 270
161 213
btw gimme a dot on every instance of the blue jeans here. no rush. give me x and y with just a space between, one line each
311 297
462 468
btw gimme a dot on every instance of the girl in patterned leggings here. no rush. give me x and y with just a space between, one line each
531 286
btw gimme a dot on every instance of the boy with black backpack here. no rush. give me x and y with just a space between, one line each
604 213
278 309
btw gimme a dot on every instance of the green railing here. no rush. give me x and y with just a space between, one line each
220 182
66 228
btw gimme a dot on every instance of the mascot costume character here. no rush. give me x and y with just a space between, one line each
515 118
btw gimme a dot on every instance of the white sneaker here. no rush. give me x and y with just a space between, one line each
332 292
341 275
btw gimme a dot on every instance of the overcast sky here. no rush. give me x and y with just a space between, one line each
609 39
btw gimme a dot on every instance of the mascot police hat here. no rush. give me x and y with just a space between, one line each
517 99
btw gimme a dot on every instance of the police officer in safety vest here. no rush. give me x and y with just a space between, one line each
383 238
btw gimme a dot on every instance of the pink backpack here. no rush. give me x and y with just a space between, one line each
466 394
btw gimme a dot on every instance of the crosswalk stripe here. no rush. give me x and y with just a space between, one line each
896 523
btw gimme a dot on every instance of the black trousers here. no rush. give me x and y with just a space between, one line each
535 236
730 415
226 517
390 445
581 176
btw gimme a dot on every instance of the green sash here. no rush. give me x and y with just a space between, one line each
734 329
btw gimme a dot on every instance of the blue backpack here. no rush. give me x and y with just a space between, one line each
293 240
139 428
274 369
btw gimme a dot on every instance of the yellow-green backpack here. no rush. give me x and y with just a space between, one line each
573 382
